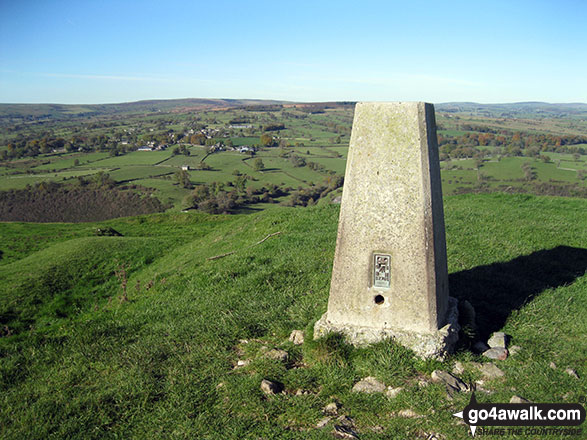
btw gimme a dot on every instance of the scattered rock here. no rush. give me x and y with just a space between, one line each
452 382
479 386
514 349
220 385
322 423
271 387
422 383
498 340
277 354
552 365
297 337
242 363
345 428
434 436
301 392
331 409
369 385
480 347
571 372
518 399
497 353
243 341
409 413
336 200
491 371
344 432
392 392
458 368
377 428
346 421
567 395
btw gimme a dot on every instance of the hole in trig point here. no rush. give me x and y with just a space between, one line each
379 299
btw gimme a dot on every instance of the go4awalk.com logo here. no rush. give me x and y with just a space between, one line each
523 418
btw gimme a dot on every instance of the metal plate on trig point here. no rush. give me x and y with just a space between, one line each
382 271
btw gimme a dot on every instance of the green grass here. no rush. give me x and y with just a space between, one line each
135 158
161 365
238 141
168 191
21 180
140 172
68 161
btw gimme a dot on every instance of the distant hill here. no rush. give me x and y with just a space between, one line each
67 111
517 109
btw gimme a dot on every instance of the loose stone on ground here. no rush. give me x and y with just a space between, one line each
345 428
297 337
369 385
519 399
571 372
271 387
491 371
392 392
498 353
452 382
322 423
409 414
458 368
331 409
498 340
277 354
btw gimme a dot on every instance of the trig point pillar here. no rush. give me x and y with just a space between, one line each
390 276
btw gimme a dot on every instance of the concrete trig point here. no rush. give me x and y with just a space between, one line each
390 276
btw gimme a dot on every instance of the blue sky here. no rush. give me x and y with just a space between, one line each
92 51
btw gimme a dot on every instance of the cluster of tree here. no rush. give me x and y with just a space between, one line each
182 149
297 161
87 200
514 142
22 147
274 127
239 121
198 139
316 167
218 198
261 108
183 179
309 196
267 141
533 187
529 172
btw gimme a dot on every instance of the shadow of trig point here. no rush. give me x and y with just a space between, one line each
390 276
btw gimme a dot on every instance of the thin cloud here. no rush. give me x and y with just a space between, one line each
103 77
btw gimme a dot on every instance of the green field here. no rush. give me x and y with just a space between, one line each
21 180
135 158
318 134
78 362
68 161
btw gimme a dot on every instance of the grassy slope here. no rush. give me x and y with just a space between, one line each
161 364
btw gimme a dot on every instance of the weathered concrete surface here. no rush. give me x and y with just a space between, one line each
391 207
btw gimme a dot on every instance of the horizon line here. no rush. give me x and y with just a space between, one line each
284 101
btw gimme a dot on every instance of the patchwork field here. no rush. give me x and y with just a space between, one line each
483 148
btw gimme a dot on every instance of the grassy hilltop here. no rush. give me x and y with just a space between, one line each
80 358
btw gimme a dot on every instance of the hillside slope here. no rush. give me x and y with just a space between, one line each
77 360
